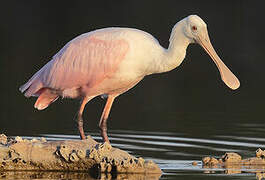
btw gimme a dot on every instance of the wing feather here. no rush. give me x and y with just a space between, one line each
86 60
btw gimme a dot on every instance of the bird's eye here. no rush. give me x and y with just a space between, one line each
194 28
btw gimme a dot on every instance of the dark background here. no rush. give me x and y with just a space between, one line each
32 31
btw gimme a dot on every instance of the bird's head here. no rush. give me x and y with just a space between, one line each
195 29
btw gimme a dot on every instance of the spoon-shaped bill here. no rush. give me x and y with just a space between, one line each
227 76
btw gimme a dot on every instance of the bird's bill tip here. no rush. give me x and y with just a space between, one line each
227 76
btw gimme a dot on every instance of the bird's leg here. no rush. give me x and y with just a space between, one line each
104 118
79 117
80 127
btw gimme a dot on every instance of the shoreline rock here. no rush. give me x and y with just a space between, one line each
234 160
70 155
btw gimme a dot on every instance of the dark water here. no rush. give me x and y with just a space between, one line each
173 118
175 152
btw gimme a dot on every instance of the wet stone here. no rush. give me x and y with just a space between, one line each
231 158
260 153
70 155
234 160
73 157
210 161
194 163
3 139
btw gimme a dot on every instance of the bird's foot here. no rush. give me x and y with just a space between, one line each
79 120
82 136
106 139
104 135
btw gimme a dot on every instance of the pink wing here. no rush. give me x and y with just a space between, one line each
86 60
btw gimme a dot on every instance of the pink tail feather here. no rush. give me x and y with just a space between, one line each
32 86
46 97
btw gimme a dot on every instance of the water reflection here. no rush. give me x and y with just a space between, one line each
73 175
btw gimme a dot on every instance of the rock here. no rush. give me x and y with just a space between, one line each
42 139
18 139
3 139
210 161
74 175
235 161
260 153
214 161
71 155
194 163
206 160
231 158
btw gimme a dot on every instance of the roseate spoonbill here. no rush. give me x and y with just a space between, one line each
110 61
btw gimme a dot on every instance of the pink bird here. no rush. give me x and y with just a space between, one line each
111 61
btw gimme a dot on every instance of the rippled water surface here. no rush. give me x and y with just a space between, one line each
175 152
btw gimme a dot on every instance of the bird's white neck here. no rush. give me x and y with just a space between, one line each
176 52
